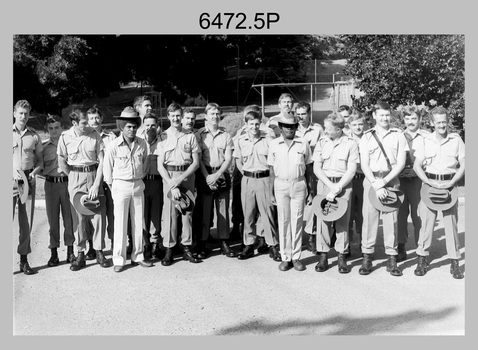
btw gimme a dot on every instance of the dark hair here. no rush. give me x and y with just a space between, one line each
212 105
52 118
95 110
78 114
174 107
150 115
121 123
303 104
381 105
189 110
344 108
251 115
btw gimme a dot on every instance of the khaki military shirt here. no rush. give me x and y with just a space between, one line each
335 154
25 144
80 150
50 159
213 146
289 163
177 147
253 152
311 134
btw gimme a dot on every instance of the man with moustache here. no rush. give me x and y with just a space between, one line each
311 132
410 183
153 190
27 158
142 105
286 102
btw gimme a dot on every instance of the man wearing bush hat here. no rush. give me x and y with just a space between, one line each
440 164
124 168
290 161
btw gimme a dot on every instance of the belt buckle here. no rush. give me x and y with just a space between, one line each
441 177
380 173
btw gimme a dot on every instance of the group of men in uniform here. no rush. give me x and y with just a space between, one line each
157 190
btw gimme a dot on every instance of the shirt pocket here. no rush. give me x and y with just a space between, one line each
121 162
430 156
73 151
299 158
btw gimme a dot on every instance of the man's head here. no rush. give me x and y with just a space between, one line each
286 101
21 113
95 118
189 118
411 118
150 124
288 127
175 113
79 119
382 112
439 120
54 126
253 122
302 111
249 108
356 123
128 122
333 125
345 112
213 114
142 105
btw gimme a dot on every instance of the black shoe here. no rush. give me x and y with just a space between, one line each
285 265
402 252
91 254
274 253
366 267
118 268
142 263
311 244
342 263
157 252
246 253
202 251
262 247
226 250
54 261
147 252
101 260
298 266
168 257
70 256
26 269
78 263
188 255
422 266
323 264
455 269
392 266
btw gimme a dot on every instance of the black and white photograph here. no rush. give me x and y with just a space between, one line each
238 176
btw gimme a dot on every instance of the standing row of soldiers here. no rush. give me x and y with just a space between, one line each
182 174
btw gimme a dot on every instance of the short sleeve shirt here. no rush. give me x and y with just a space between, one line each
213 146
252 151
25 144
441 157
289 162
80 150
391 141
312 134
177 147
125 163
413 142
335 154
50 159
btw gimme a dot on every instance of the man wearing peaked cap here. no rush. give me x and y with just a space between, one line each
440 164
124 168
335 162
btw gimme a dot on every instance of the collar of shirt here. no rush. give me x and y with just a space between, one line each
213 133
27 129
262 135
342 139
177 134
296 139
50 141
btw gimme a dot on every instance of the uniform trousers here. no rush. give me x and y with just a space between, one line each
310 220
83 181
325 229
169 227
290 197
153 207
236 206
410 186
56 199
356 204
24 226
110 228
128 197
450 218
255 197
219 200
371 218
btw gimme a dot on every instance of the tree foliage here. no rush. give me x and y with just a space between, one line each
409 69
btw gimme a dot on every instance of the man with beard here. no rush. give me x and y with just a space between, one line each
124 168
290 162
80 155
27 158
153 190
178 159
311 132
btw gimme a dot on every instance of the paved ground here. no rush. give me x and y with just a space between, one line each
224 296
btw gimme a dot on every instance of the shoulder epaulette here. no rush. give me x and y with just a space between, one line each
44 142
368 131
395 130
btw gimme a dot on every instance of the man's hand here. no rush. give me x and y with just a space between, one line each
175 193
310 198
211 179
381 193
174 182
93 192
330 196
441 184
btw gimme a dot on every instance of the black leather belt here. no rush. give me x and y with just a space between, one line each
27 172
334 179
152 177
56 179
439 177
84 169
176 167
210 169
359 176
381 174
256 174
